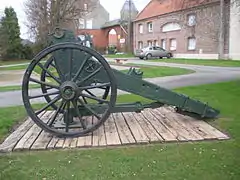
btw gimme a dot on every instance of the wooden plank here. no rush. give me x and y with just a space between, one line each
147 127
180 121
123 130
169 125
44 138
102 136
85 141
171 118
136 129
215 133
95 133
31 135
194 124
60 143
160 128
112 136
52 143
12 139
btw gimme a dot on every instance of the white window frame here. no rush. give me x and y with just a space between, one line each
171 27
81 24
163 44
191 19
140 28
155 42
150 26
140 44
173 47
150 43
191 43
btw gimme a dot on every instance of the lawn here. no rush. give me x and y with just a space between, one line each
222 63
15 88
119 56
152 71
11 62
201 160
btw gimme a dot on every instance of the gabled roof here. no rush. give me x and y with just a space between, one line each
160 7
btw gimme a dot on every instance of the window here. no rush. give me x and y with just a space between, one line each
171 27
150 43
173 44
89 24
81 24
140 28
191 43
163 43
155 43
150 26
85 7
191 19
140 44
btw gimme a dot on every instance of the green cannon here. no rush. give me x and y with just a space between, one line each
79 88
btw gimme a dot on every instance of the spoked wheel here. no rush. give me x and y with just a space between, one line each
73 102
51 67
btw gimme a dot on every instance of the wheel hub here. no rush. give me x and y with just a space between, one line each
69 90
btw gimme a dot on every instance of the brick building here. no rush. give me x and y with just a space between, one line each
188 28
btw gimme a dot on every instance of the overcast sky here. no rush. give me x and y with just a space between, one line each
112 6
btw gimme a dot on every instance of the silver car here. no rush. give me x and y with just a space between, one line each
152 51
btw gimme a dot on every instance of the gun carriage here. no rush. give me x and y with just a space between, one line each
80 88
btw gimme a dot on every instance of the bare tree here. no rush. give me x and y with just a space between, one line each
45 15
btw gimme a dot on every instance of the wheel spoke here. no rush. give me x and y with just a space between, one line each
95 86
88 56
89 109
49 104
62 106
70 65
84 99
74 102
67 116
95 98
43 83
49 73
89 76
90 93
44 94
58 69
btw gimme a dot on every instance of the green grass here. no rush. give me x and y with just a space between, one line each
12 68
200 160
222 63
152 71
119 56
15 88
10 62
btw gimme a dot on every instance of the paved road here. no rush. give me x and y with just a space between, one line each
203 75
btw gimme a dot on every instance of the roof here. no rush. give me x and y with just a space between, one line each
111 23
160 7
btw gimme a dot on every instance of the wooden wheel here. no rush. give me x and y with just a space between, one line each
72 97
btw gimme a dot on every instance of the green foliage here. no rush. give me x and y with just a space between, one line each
10 41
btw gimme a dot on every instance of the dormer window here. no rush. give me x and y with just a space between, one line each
191 19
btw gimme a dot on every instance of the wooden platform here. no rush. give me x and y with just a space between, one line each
151 126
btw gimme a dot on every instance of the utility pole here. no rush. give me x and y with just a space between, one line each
221 31
129 42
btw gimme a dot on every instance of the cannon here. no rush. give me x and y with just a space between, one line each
79 88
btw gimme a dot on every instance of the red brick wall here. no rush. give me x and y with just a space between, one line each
100 40
205 31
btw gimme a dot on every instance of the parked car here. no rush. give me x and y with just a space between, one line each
152 51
